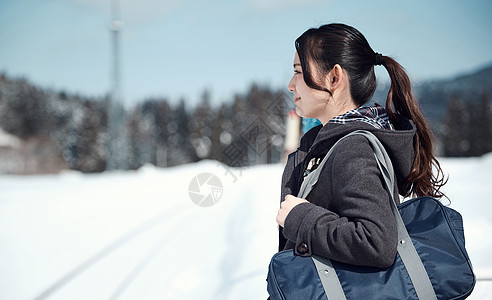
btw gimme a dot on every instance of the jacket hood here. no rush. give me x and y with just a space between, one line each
398 143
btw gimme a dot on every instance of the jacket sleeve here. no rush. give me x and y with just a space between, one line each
288 177
363 230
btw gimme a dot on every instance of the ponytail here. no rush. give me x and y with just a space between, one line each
421 181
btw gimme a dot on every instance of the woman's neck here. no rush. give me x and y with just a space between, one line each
336 107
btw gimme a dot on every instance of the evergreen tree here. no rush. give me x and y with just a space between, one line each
200 126
480 133
180 148
24 110
455 139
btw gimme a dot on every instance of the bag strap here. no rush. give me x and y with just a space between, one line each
406 249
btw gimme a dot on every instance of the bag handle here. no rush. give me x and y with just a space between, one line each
406 249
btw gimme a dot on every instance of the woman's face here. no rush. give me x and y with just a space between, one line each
310 103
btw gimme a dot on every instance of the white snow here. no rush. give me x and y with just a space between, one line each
8 140
137 235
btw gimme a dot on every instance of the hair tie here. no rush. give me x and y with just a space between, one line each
379 59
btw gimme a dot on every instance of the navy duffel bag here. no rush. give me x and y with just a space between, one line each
432 262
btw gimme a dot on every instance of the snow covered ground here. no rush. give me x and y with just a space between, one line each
138 235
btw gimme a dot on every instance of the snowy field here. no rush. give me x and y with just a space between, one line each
138 235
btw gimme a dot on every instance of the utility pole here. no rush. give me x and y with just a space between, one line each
117 144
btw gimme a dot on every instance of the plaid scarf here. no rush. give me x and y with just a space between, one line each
373 115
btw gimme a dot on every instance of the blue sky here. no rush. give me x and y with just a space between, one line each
178 48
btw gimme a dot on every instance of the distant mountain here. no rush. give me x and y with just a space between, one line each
434 95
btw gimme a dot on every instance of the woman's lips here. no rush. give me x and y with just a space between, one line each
297 99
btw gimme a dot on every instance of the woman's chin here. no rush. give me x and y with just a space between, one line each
299 112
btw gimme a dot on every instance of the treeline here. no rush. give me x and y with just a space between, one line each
467 127
46 131
57 130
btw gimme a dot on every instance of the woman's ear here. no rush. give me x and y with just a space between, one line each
335 78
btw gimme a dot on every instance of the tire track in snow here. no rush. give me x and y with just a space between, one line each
116 244
150 254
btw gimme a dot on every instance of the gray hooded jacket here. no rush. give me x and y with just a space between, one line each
348 217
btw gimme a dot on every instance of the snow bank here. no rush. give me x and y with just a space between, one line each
137 235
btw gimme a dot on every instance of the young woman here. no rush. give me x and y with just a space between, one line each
347 216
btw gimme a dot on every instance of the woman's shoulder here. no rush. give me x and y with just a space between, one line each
351 148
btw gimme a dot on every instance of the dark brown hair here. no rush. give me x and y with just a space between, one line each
332 44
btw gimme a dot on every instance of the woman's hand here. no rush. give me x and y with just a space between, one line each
286 206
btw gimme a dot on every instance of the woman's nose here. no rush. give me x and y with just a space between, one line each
291 87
